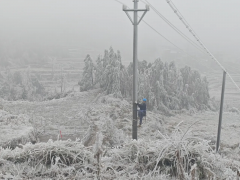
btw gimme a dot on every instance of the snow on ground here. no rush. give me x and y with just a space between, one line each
81 115
205 125
74 114
71 115
14 128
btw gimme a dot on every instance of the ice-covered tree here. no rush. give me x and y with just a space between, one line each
21 85
86 82
125 84
99 71
164 85
112 72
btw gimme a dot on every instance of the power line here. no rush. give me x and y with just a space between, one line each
180 16
120 2
167 39
161 34
174 27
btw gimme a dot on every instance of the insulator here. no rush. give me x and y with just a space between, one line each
147 7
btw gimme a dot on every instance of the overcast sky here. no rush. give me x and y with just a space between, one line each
99 24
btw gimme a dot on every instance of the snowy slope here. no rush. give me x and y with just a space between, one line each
83 115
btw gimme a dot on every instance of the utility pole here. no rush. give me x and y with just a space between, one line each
221 111
135 23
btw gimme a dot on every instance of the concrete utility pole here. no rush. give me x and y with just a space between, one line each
221 111
135 23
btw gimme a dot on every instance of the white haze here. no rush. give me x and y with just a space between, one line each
94 25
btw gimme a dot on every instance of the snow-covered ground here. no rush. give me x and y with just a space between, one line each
205 125
15 129
81 115
79 110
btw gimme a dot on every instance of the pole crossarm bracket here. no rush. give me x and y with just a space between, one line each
129 17
142 17
135 10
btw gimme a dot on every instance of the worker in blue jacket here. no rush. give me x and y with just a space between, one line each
142 111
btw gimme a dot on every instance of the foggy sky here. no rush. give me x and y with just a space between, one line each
99 24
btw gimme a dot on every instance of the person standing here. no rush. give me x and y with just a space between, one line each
142 111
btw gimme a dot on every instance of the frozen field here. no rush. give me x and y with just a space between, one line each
74 114
82 116
71 127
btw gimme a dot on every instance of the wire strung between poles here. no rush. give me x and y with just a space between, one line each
174 27
180 16
161 34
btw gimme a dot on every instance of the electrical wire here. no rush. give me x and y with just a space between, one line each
180 16
161 34
174 27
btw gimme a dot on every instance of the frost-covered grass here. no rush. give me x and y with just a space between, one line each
52 159
206 124
15 129
178 155
164 149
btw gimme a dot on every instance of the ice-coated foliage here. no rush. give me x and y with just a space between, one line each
20 85
111 72
15 129
87 82
112 135
174 156
7 118
165 86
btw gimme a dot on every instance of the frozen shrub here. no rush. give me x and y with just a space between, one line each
234 110
9 119
178 155
112 135
213 105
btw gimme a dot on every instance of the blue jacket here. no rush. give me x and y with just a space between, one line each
143 107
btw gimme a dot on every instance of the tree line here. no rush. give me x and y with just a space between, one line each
20 85
164 85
